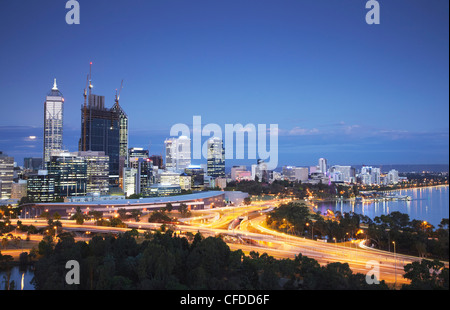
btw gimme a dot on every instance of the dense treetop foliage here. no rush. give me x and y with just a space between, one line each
165 261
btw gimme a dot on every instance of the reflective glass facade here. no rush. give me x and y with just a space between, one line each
41 188
6 175
53 122
70 174
216 158
101 133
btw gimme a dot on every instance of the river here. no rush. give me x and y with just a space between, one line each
21 277
429 204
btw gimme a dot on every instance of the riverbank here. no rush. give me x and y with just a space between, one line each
341 199
429 204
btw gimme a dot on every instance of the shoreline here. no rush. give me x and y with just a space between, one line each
391 190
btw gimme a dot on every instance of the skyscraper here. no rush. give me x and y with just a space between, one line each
123 135
100 132
6 175
347 172
260 172
178 153
323 166
215 158
197 175
370 175
105 130
393 177
129 181
53 122
97 171
70 173
144 173
41 187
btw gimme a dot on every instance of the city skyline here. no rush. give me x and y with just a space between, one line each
348 92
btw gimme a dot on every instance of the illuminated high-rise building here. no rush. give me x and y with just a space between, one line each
323 166
135 153
105 130
215 158
70 173
97 171
123 136
53 122
178 153
6 175
144 173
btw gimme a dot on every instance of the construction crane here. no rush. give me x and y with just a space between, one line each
90 78
118 94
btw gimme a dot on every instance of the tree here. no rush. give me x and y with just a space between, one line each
56 216
25 200
5 243
96 215
122 214
45 215
159 217
247 201
136 215
5 260
184 210
134 196
169 207
78 216
426 275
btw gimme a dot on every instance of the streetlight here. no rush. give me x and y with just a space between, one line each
312 230
424 224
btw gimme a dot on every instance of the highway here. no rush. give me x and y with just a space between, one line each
250 234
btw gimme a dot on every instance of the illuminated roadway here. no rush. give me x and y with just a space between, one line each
252 235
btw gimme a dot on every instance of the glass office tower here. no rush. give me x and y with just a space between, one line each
53 122
216 158
6 175
41 187
178 153
70 173
100 132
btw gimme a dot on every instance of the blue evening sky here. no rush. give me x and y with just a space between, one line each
337 87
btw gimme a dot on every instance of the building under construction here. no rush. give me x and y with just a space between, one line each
105 130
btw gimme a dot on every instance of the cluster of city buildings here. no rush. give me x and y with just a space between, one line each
321 173
104 164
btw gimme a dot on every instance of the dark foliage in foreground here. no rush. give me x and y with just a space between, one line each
168 262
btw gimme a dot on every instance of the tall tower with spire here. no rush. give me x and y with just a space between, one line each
53 122
123 135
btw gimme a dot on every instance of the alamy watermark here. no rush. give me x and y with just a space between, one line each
73 15
257 135
373 275
73 275
373 16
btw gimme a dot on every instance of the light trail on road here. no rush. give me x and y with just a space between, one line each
274 243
